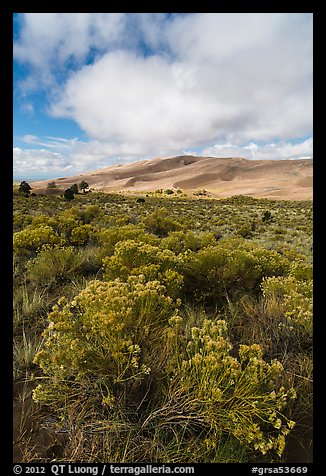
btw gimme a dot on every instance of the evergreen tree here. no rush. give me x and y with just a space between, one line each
25 187
83 185
74 188
68 194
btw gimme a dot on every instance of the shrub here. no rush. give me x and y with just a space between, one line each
245 231
81 235
90 213
136 258
29 240
295 299
99 347
181 241
199 193
222 397
280 318
267 216
68 194
67 221
160 224
231 268
109 238
54 265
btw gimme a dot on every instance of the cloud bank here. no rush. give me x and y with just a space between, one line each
155 84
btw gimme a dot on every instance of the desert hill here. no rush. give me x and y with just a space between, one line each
222 177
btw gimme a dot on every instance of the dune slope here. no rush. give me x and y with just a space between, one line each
222 177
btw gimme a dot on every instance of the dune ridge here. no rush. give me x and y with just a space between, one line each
221 177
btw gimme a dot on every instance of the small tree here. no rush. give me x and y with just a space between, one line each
68 194
267 216
51 185
74 188
83 185
25 187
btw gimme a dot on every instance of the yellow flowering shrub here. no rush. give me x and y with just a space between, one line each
58 264
20 220
98 347
83 234
110 237
90 213
181 241
160 223
136 258
295 299
29 240
223 395
231 267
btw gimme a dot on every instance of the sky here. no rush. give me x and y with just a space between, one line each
98 89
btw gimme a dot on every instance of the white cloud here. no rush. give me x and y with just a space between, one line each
38 162
132 100
282 150
49 40
71 157
236 77
57 143
206 78
67 156
27 108
29 139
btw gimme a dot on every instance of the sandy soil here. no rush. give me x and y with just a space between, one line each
222 177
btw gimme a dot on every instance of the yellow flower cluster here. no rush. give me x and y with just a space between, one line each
98 339
232 396
295 296
31 239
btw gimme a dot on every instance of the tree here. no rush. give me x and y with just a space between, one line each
68 194
83 185
74 188
25 187
51 185
267 216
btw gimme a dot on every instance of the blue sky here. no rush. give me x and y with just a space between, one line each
97 89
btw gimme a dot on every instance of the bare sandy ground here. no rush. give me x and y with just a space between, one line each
222 177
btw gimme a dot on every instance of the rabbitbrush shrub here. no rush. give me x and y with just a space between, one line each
29 240
136 258
295 299
233 267
55 265
98 347
215 396
110 237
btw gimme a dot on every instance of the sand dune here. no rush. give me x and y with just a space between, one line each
222 177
